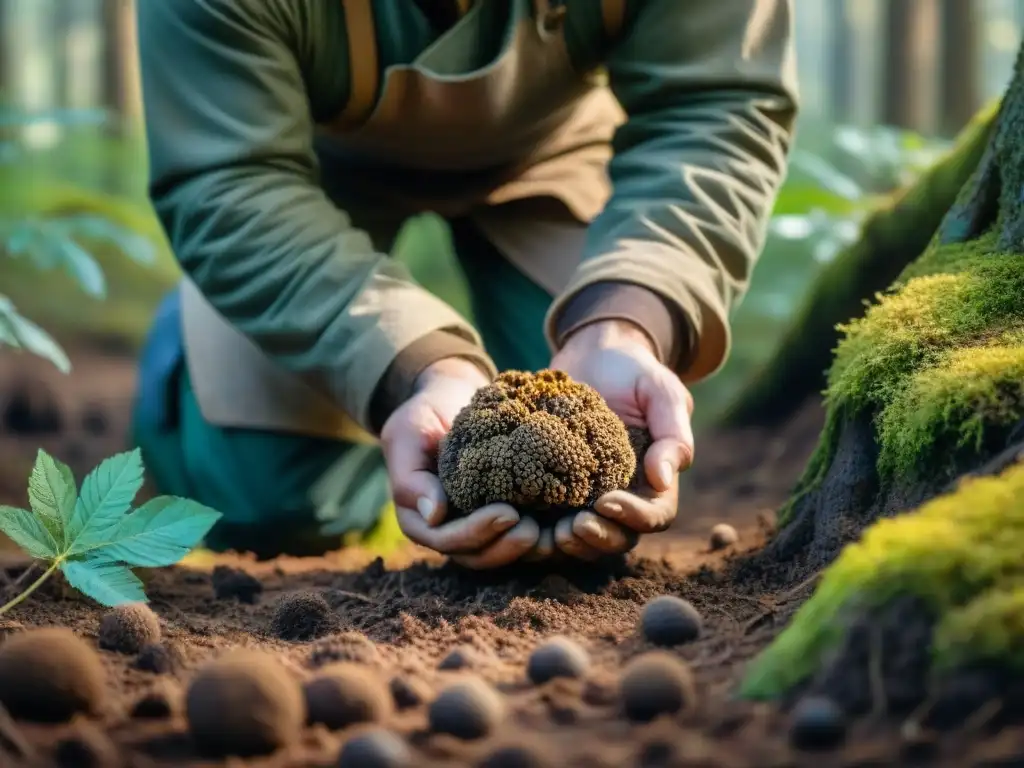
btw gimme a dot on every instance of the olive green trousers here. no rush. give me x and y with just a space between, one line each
283 493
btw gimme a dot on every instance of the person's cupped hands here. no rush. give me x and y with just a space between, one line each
490 537
617 359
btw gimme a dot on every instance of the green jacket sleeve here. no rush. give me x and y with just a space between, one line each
709 90
232 91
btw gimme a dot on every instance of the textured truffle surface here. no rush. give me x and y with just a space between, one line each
537 441
128 628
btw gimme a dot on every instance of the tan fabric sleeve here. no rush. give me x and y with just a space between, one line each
709 88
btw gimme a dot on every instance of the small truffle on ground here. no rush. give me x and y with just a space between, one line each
468 709
235 584
347 646
723 535
127 628
158 703
460 657
50 675
302 616
557 657
656 684
817 722
244 703
514 756
86 747
408 692
669 620
375 749
160 658
344 694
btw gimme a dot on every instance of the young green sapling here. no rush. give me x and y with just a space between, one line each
93 536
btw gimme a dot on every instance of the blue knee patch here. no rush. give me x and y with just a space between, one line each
156 398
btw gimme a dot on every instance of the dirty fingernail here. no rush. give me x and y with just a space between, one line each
665 472
426 507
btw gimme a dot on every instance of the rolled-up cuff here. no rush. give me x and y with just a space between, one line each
399 380
667 330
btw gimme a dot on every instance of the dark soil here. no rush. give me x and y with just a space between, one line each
398 619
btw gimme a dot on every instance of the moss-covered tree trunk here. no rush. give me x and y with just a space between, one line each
925 389
891 237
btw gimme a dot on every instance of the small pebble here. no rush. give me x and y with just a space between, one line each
723 535
302 616
235 584
160 658
50 675
557 657
656 684
669 620
127 628
375 749
817 722
244 703
462 657
344 694
408 692
468 709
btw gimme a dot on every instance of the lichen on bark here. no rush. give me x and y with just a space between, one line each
924 429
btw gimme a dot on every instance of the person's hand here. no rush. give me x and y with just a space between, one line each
490 537
617 359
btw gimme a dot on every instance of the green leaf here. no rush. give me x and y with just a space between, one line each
81 265
106 496
52 493
161 532
28 532
105 581
17 331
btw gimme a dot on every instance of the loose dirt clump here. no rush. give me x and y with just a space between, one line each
346 646
656 684
345 694
302 616
160 658
86 747
668 620
514 756
244 703
128 628
468 709
375 749
235 584
558 657
50 675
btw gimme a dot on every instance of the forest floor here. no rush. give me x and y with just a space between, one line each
402 616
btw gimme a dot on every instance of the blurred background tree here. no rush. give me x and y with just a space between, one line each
886 84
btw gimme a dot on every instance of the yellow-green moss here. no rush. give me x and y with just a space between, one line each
959 553
949 410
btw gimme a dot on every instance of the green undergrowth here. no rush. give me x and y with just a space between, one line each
954 316
959 553
133 289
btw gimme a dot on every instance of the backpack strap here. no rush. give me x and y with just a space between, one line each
363 63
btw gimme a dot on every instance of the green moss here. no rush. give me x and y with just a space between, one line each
959 553
947 412
893 235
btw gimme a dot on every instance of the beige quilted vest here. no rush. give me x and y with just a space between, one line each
530 113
